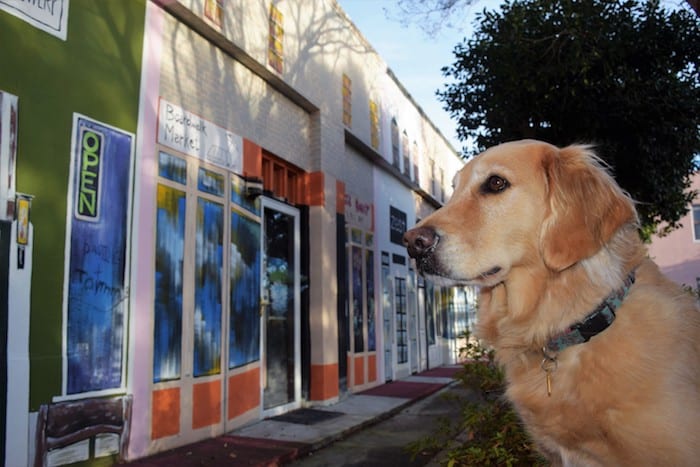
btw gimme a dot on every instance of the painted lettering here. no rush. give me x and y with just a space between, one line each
89 176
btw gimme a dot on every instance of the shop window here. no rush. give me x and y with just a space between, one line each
275 49
172 168
197 258
245 265
369 287
170 249
374 124
211 182
357 299
401 321
361 290
209 263
347 101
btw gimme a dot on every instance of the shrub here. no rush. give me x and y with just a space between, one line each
490 433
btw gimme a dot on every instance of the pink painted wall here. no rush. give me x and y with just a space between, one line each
678 254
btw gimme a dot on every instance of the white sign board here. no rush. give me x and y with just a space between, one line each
359 213
189 133
48 15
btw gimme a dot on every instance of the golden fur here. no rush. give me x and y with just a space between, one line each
545 251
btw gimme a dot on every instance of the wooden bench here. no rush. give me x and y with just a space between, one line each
64 423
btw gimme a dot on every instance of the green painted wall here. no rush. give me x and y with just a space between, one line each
96 72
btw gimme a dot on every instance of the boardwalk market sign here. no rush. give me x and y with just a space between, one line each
191 134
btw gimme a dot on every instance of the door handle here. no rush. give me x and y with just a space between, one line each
263 305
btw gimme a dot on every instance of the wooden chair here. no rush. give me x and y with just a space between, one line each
64 423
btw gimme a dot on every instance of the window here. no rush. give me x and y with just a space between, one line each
223 248
442 185
374 124
395 143
433 179
347 101
274 48
696 222
406 154
415 154
401 322
361 290
213 10
282 178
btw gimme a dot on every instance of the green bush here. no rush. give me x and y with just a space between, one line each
490 432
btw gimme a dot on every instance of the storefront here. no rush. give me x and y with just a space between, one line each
216 221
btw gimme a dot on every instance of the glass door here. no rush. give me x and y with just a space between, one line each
281 374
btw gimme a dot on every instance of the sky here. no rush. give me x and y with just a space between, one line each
415 57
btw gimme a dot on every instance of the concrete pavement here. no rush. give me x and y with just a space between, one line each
280 440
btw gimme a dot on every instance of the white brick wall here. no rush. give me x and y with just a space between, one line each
320 45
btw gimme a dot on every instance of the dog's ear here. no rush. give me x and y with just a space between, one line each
586 207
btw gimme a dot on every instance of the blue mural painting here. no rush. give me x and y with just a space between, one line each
239 198
170 250
244 341
209 265
97 284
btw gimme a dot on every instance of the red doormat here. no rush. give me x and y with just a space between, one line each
443 371
404 389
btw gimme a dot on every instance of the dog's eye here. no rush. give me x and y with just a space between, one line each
495 184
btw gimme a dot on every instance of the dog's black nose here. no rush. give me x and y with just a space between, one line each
419 241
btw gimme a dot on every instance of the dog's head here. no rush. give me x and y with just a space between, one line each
520 204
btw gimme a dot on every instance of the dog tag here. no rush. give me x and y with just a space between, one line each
549 365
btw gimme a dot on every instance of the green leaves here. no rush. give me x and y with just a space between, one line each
622 75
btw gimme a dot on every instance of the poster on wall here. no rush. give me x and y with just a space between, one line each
48 15
8 153
97 253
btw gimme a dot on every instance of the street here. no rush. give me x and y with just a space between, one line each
386 443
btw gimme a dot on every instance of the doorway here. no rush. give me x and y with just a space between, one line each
280 310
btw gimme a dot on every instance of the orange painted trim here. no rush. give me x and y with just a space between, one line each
359 376
324 382
252 159
371 368
206 404
315 189
243 393
340 197
165 413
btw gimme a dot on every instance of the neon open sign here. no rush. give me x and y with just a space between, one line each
87 206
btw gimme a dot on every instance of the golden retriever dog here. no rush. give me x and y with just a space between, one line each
601 352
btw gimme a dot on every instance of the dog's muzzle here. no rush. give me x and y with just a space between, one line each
420 243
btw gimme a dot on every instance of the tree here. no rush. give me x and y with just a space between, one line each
621 75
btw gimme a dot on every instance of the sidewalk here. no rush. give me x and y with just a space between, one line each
280 440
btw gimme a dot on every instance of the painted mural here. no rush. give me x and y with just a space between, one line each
98 241
170 248
209 264
245 258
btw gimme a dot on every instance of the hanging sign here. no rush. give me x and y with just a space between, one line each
48 15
